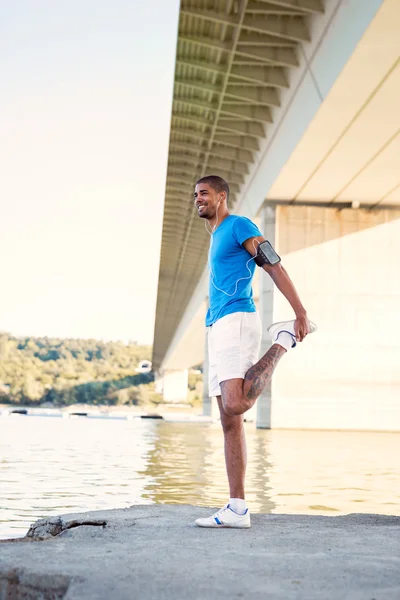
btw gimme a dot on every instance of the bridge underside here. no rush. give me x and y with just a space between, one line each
233 62
292 102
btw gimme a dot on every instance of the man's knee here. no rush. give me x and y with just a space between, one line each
238 408
233 400
231 423
234 409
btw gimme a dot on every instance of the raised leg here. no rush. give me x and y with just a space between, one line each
260 374
238 395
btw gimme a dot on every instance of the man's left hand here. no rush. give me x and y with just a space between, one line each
301 327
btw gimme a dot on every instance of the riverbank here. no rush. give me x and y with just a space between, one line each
172 411
155 552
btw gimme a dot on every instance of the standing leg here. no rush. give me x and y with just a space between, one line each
235 451
235 514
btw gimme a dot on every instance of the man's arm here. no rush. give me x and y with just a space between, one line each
285 285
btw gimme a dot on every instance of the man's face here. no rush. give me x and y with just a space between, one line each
206 200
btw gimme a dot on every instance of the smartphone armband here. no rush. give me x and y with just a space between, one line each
266 255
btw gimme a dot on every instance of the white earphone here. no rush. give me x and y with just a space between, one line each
209 264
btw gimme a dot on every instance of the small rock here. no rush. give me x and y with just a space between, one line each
45 528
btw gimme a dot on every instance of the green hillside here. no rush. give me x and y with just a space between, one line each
61 372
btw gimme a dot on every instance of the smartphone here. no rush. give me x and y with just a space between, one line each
267 252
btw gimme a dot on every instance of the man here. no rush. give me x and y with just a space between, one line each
236 376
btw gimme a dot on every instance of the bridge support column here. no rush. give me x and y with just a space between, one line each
344 264
207 401
268 224
210 405
175 385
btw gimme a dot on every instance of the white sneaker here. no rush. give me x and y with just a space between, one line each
288 327
226 517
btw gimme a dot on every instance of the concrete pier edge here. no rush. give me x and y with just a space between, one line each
156 551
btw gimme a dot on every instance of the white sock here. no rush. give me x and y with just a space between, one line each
285 340
238 505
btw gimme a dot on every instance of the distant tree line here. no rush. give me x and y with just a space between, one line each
60 372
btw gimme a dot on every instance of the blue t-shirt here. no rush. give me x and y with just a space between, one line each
230 281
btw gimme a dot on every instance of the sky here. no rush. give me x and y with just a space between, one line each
85 105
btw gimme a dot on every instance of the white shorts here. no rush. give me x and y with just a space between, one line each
233 347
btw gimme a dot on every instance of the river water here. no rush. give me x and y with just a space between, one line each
53 465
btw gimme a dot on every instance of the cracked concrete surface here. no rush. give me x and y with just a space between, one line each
45 528
155 552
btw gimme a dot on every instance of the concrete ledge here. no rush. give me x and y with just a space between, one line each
155 552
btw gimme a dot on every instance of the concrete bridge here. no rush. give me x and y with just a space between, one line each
297 104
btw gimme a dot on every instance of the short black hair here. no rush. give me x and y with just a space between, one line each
216 182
